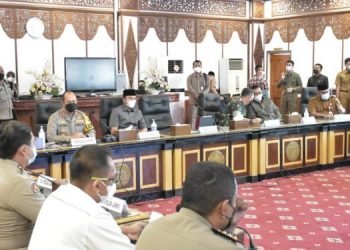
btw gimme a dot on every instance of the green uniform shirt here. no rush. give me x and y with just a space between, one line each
291 80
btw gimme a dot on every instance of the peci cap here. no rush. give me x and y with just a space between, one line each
322 86
129 92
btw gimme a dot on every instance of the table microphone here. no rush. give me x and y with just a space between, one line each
108 137
251 243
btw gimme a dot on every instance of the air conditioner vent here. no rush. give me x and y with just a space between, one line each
235 64
175 66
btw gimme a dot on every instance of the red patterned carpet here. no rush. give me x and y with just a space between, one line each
309 211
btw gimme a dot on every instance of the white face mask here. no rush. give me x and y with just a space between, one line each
289 68
258 98
325 96
11 79
32 159
197 69
131 104
110 192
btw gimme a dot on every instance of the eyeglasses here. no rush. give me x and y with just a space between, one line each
114 180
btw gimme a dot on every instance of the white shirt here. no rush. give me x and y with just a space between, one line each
71 219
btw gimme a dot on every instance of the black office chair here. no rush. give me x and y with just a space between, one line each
43 110
106 106
156 107
209 104
306 95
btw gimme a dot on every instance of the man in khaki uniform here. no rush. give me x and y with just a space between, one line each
20 197
197 83
292 86
68 122
6 105
208 208
342 83
323 105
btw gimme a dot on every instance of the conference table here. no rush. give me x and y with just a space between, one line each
157 167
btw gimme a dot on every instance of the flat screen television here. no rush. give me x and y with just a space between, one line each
90 74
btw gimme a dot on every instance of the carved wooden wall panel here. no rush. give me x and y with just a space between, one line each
258 8
158 23
130 54
129 4
7 20
188 25
85 23
212 7
195 29
290 7
82 3
24 15
258 49
313 26
204 25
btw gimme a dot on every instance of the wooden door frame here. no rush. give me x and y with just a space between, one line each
268 60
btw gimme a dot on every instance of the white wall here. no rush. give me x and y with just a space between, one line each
181 49
32 56
7 52
102 45
302 56
328 52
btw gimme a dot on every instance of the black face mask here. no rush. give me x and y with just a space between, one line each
316 71
2 76
71 107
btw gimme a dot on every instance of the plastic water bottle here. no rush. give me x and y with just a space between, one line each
153 125
42 135
306 113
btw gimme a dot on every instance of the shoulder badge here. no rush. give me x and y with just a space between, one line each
35 188
225 235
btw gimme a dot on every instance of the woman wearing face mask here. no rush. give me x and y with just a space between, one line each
324 105
127 114
6 106
20 197
69 122
10 80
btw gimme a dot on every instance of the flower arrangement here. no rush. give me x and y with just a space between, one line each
154 80
45 83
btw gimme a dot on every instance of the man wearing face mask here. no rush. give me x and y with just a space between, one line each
197 83
71 217
10 80
68 122
262 107
317 77
127 114
20 197
6 106
342 83
209 206
292 86
324 105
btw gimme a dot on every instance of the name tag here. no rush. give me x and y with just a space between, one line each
45 181
116 205
77 142
308 120
342 117
208 129
272 123
148 135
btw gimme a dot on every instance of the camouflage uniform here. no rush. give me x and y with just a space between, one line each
325 107
62 126
20 202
